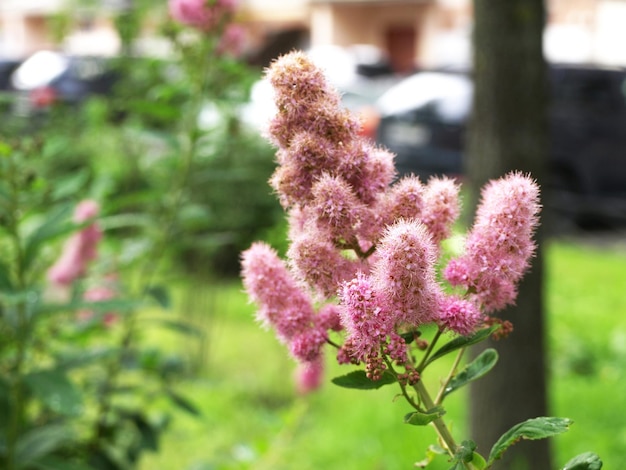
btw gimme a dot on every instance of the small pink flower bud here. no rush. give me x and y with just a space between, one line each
309 376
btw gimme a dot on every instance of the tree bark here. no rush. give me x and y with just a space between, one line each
507 132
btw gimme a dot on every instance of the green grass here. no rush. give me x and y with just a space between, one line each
252 419
587 336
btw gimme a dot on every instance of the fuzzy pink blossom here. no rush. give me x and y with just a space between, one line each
319 263
404 200
309 376
441 207
282 302
404 273
329 318
459 315
337 207
201 14
368 169
499 246
307 345
364 317
80 249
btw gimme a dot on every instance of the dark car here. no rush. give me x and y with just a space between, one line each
423 121
7 67
48 77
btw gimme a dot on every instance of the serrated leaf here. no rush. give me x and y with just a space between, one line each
585 461
532 429
461 342
417 418
358 380
483 363
55 391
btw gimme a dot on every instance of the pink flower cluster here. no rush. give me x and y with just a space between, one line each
80 249
284 305
201 14
364 246
499 245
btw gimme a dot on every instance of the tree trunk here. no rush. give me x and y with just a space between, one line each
508 132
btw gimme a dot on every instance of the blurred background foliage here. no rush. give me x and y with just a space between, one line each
182 186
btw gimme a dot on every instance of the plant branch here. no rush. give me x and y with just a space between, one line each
442 390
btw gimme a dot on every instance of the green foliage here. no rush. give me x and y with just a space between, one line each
586 461
417 418
358 380
536 428
81 386
482 364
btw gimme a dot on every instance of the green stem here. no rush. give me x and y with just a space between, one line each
405 394
442 390
431 346
21 331
440 425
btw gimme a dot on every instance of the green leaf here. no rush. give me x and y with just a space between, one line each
54 225
478 461
585 461
55 463
161 295
82 358
465 451
432 452
474 370
55 391
118 221
183 403
532 429
417 418
114 305
358 380
178 326
410 336
6 285
461 342
39 442
71 185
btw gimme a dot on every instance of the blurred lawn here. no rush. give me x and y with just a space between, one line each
252 419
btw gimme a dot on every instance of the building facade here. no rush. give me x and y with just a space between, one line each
414 33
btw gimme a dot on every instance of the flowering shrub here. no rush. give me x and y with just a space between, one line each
362 269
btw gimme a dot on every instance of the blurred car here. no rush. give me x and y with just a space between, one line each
46 78
423 121
7 67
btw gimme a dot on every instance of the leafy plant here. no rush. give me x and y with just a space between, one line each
362 273
110 191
